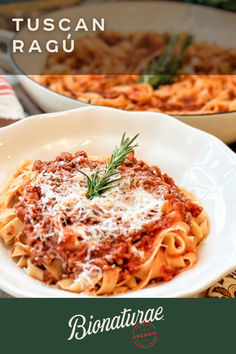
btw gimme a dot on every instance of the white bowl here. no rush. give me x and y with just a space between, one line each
198 161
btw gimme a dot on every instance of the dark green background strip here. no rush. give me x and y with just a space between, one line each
189 326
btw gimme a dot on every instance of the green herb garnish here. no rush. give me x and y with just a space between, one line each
102 180
165 68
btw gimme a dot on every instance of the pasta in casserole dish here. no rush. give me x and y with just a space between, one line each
201 81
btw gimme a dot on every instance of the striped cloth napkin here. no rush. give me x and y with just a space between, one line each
10 107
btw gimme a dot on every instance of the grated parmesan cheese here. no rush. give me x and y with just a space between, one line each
120 210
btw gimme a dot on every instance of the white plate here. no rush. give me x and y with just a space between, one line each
198 161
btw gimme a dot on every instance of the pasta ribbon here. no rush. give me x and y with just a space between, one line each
171 249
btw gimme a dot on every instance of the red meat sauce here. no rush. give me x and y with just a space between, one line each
108 253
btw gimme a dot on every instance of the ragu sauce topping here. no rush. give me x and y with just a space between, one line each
60 222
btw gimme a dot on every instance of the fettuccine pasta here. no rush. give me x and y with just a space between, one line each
206 82
143 230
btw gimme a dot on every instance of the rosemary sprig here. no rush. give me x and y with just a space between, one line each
102 180
162 70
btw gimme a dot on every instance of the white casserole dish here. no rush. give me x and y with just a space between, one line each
204 22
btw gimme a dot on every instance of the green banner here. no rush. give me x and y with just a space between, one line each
112 325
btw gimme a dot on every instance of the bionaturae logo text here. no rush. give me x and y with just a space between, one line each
80 326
